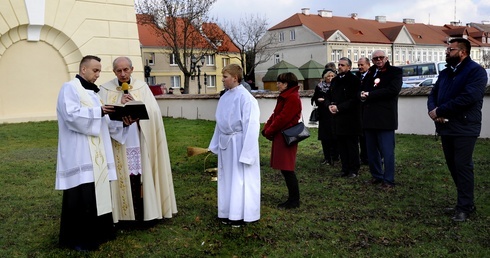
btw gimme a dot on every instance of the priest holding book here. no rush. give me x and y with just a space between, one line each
144 190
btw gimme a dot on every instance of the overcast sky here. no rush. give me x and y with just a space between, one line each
436 12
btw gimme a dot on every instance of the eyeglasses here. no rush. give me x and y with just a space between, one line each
377 58
449 49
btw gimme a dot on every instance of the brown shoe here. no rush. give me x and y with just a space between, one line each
387 187
374 181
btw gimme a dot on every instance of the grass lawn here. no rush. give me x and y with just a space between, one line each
338 217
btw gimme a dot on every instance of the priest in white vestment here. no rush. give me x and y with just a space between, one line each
85 161
236 142
144 190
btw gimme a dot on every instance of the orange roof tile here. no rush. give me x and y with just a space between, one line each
151 36
359 30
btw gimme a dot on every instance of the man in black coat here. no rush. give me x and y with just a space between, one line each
363 64
379 93
346 110
455 104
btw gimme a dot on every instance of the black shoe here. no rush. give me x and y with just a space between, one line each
453 210
387 187
283 205
342 174
460 216
225 221
233 223
374 181
292 205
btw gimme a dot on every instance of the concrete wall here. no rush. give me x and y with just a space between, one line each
412 111
43 41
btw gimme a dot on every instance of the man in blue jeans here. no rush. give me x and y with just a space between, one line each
380 89
455 104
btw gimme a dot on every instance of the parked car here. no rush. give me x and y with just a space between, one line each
427 82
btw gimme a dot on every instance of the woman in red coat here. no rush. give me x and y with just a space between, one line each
286 114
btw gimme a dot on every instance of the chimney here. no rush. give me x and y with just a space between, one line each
305 11
325 13
353 16
408 21
380 18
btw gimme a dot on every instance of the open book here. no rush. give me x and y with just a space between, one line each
136 109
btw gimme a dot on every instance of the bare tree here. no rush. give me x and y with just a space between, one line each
248 35
181 25
486 59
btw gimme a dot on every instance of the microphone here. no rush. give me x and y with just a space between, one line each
125 87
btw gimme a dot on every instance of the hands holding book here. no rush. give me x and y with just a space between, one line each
129 111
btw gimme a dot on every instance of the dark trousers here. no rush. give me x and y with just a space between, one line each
330 150
363 150
137 195
349 153
458 152
380 145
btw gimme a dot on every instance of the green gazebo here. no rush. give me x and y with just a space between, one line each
270 78
312 72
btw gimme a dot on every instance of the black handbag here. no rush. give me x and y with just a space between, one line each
296 133
314 114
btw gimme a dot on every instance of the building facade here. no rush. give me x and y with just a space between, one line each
165 71
326 38
43 41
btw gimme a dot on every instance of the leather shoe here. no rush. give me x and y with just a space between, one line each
288 205
350 175
342 174
374 181
387 187
283 205
453 210
326 162
460 216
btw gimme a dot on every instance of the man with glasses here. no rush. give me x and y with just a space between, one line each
144 191
380 89
455 104
346 113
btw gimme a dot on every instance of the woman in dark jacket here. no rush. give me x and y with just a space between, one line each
325 134
286 114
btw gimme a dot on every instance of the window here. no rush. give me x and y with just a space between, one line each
210 59
356 55
226 61
172 59
210 81
336 54
292 35
276 59
150 58
281 36
151 80
175 81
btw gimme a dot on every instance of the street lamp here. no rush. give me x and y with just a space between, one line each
205 82
196 64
